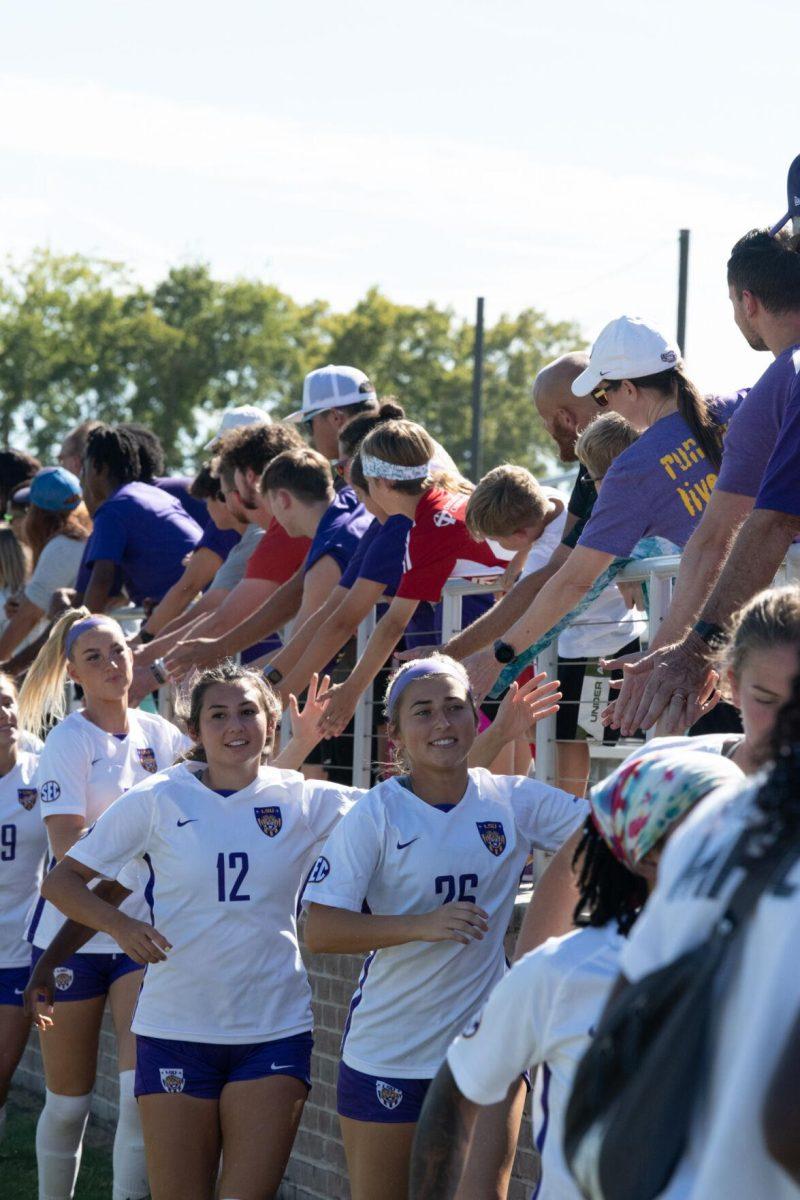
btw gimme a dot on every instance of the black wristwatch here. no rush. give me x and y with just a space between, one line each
272 675
713 635
504 652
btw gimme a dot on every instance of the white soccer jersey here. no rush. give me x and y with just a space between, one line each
757 1001
22 851
406 856
542 1013
82 770
226 874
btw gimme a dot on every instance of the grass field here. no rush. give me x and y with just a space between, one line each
18 1154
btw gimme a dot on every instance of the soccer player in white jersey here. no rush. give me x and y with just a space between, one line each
89 759
22 850
543 1012
223 1022
437 855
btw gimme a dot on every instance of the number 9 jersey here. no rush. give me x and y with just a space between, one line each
405 856
23 843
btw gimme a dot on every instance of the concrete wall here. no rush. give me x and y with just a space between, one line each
317 1167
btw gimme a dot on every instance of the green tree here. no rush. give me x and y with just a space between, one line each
424 357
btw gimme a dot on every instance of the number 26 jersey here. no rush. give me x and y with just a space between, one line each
405 856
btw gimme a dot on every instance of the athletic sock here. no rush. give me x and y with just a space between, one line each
130 1167
59 1139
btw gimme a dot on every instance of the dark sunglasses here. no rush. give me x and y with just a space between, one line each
339 465
600 397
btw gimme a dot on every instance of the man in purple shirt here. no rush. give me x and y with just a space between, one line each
754 512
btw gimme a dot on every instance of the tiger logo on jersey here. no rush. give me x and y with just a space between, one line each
62 978
270 820
493 836
172 1079
147 758
27 797
389 1095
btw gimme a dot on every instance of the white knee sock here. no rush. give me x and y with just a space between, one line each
59 1138
130 1168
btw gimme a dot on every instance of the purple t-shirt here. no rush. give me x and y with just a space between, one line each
380 554
780 487
753 431
343 524
178 486
148 534
658 487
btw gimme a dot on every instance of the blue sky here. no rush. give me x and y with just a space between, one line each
537 155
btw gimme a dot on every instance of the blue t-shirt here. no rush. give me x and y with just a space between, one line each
343 524
380 553
780 487
179 488
148 534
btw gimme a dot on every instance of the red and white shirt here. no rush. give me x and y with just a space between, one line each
440 547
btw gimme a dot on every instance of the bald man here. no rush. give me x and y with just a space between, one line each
564 417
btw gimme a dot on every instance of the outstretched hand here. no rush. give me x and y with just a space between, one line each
522 706
678 686
305 720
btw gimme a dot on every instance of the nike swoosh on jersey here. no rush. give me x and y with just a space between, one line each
187 821
281 1067
402 845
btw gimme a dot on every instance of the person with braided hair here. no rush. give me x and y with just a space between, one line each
543 1012
139 530
758 994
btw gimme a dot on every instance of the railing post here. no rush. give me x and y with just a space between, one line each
362 720
546 766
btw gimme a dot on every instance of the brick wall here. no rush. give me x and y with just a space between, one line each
317 1167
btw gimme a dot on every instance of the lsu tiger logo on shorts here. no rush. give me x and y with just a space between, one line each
172 1079
320 870
147 758
388 1094
269 820
27 797
493 836
62 978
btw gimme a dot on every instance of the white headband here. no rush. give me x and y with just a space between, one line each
378 468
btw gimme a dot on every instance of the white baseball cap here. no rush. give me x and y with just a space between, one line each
627 348
332 387
235 418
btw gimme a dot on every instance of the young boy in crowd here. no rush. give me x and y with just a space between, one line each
511 508
298 486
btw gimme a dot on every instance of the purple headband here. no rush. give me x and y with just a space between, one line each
419 670
83 626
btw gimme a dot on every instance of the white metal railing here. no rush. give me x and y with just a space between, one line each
659 575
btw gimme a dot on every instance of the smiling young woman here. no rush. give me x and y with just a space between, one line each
89 759
436 853
223 1022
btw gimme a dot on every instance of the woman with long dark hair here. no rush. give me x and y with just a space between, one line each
657 488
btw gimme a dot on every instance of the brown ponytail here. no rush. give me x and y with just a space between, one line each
693 407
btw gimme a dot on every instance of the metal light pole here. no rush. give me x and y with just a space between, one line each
683 287
476 452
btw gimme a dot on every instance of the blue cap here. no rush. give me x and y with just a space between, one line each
793 190
53 489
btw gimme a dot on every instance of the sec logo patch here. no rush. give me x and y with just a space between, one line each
320 869
50 791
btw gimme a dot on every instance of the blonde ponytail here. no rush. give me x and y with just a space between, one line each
42 697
